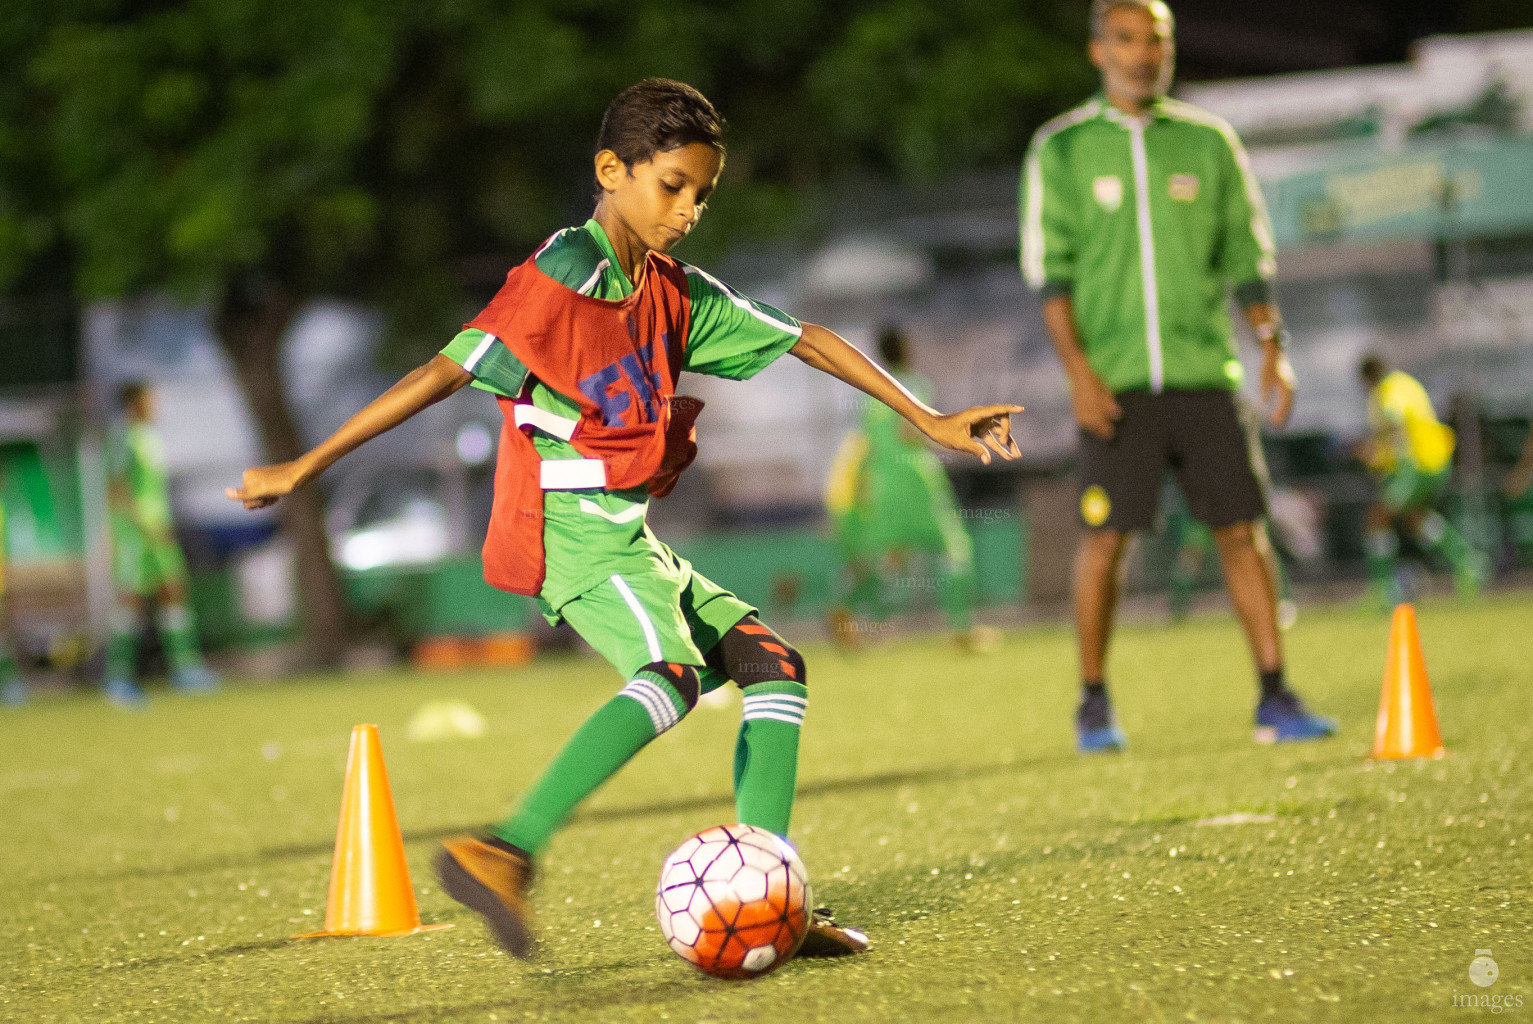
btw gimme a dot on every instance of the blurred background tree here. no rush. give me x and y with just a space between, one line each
251 156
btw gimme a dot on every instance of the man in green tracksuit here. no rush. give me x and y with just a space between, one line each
1139 215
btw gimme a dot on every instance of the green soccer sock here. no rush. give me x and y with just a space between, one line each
766 754
1437 535
958 595
122 644
8 670
178 632
866 593
1382 547
620 728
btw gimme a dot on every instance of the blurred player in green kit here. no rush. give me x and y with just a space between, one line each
890 499
13 689
147 564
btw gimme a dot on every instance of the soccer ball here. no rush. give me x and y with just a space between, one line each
733 901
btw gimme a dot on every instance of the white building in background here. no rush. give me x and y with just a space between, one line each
402 499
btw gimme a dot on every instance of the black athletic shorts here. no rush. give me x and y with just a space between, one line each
1201 436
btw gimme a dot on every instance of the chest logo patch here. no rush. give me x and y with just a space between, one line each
1108 190
1184 187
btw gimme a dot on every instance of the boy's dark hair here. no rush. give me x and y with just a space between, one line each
891 347
1373 368
655 116
129 393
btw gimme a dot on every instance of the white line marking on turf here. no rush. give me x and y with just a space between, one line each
1238 818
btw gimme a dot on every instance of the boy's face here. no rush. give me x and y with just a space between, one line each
1134 54
141 409
661 199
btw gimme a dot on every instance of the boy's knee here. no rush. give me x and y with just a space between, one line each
751 653
796 670
1235 536
683 679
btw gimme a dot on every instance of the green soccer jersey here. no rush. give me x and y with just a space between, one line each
1147 223
588 532
137 461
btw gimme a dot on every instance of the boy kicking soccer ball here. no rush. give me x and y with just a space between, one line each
582 347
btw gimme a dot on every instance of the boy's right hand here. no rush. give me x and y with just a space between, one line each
1096 410
263 485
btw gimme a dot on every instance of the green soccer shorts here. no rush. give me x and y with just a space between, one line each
142 565
655 608
1407 487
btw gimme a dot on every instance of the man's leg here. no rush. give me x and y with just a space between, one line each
1280 713
1219 465
1097 561
1253 591
1120 490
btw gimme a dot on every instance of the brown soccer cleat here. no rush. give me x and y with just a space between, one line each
826 938
493 883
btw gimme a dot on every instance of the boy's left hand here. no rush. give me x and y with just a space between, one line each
263 485
963 431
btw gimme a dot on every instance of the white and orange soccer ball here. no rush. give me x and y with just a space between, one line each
734 901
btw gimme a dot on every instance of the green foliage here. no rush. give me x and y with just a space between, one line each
369 148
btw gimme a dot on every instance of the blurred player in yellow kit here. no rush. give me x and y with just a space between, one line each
1411 453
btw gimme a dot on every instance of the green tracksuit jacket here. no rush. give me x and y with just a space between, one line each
1147 223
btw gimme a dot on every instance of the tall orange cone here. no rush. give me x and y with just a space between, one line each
1407 723
370 891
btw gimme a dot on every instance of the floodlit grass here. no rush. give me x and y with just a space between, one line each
155 865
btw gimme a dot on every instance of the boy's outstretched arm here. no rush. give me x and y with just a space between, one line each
423 386
826 350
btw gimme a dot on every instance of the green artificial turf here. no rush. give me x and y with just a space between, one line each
154 866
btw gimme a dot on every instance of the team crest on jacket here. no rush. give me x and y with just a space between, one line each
1108 190
1183 187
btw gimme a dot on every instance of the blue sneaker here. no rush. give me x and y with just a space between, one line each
194 679
1096 730
13 693
125 693
1283 718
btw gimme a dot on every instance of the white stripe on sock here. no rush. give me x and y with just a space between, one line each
662 712
771 705
790 698
757 716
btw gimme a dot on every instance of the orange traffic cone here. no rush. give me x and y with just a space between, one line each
370 891
1407 723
